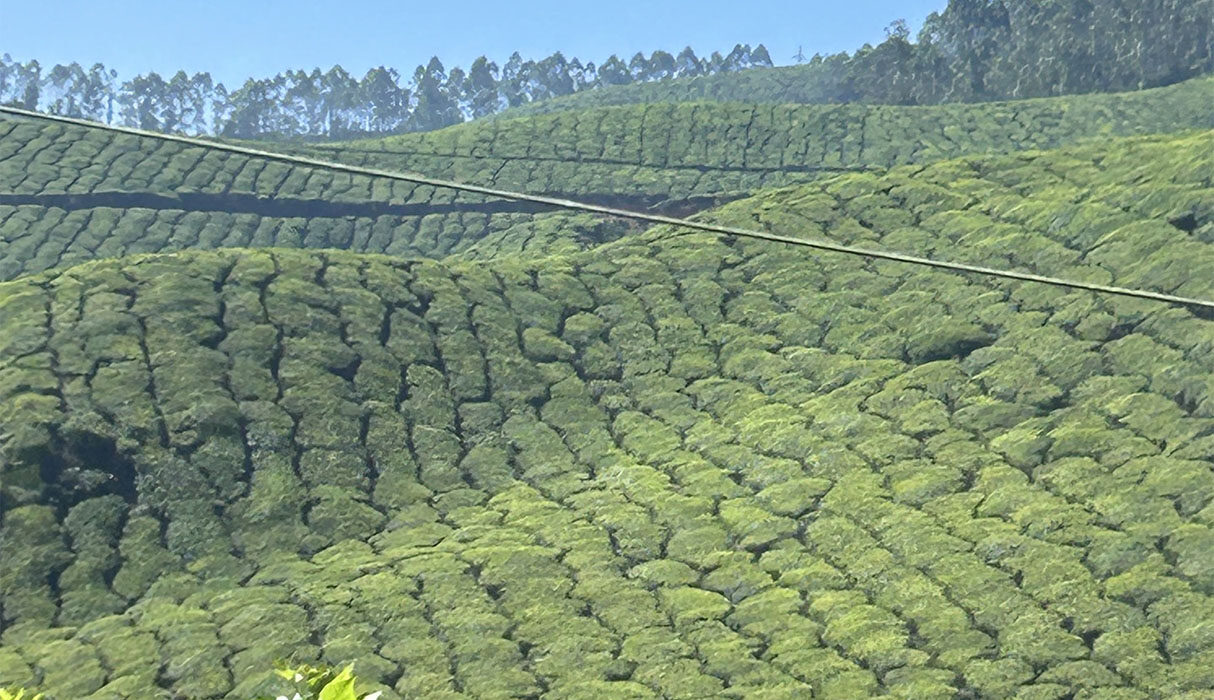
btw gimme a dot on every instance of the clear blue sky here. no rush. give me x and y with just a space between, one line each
234 39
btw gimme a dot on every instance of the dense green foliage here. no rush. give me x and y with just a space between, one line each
975 50
253 413
673 466
69 194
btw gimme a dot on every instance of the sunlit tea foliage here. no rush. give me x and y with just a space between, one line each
668 466
70 194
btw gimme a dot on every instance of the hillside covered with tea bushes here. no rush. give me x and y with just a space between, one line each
679 151
69 194
674 466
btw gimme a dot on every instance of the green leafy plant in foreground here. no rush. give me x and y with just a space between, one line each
318 683
19 694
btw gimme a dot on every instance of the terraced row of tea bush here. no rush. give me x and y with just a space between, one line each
674 466
35 238
710 148
42 158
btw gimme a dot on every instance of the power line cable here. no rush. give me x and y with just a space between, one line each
569 204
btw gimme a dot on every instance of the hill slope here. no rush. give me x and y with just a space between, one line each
69 194
678 150
673 466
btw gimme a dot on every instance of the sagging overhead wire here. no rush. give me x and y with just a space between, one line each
568 204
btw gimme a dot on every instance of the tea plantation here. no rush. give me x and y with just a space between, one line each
670 466
70 194
677 151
